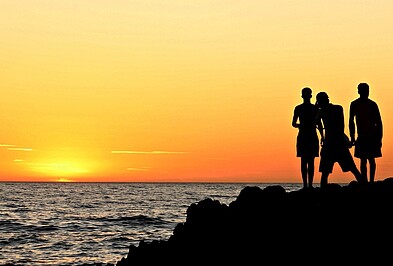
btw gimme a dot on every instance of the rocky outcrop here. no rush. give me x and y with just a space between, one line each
331 225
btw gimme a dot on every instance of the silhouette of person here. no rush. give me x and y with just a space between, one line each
368 143
307 142
334 145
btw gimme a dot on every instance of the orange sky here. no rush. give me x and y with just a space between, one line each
180 90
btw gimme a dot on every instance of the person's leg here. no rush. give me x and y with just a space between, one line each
373 168
303 168
324 179
359 177
310 171
325 167
363 167
348 164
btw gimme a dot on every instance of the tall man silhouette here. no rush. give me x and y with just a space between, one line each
368 143
307 142
334 145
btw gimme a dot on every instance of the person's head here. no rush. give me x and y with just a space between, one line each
363 90
322 99
306 93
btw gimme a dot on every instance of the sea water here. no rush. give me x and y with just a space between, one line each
88 223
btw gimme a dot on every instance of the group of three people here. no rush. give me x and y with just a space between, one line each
365 128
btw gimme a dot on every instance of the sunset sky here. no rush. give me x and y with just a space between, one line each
178 90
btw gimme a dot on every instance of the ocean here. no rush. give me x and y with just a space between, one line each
68 224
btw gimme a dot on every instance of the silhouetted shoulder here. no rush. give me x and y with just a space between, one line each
338 107
364 108
360 102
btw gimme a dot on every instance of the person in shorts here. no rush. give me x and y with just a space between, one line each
368 143
335 146
307 142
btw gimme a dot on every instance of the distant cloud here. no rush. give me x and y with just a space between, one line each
6 145
138 169
18 160
20 149
148 152
147 169
12 147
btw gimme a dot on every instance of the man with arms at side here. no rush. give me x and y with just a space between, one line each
365 114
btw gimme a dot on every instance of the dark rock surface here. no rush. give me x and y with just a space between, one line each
334 225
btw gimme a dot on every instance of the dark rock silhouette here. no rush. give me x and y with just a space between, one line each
335 224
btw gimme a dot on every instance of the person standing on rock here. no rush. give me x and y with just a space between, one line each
335 147
368 119
307 142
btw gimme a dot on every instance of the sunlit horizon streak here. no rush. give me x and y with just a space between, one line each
149 152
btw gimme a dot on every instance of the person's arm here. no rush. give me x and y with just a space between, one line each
378 123
318 121
351 123
320 129
295 118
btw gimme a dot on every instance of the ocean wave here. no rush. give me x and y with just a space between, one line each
134 220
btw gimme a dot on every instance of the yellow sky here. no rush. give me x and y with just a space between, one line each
180 90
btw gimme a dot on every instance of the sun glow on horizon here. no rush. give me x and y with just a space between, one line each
64 180
64 169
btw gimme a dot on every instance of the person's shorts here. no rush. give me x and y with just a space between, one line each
367 147
342 156
307 146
